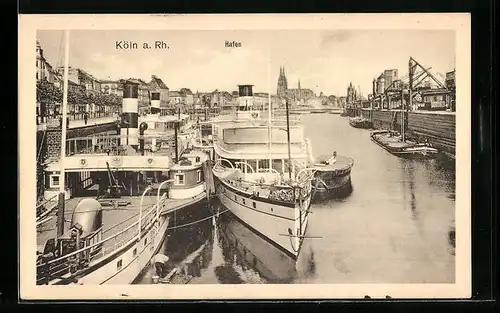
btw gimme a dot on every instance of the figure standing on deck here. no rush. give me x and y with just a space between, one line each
333 159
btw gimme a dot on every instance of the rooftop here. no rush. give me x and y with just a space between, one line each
158 81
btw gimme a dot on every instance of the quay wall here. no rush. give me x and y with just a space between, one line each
437 127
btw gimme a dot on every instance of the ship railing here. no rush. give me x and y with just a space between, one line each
246 166
41 210
60 266
219 163
280 189
263 170
305 175
106 143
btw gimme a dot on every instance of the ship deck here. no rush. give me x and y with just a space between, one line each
114 219
392 141
341 163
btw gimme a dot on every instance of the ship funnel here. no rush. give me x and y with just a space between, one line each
142 129
129 131
155 103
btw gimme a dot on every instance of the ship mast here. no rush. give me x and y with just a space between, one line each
60 213
288 142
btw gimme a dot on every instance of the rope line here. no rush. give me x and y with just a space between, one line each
199 221
41 145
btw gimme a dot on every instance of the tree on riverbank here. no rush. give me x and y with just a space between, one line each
47 94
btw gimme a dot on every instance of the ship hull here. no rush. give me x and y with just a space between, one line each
339 186
132 264
271 221
409 151
361 124
251 250
128 262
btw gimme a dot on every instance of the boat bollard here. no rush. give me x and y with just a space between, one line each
155 279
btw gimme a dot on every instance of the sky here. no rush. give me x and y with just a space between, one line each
324 61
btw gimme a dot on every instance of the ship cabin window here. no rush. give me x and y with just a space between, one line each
278 165
263 164
235 198
134 253
146 241
198 172
244 201
54 180
254 205
252 164
179 179
119 265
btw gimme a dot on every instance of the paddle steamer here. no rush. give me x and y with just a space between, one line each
262 173
117 197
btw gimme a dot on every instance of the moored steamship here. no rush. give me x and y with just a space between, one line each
262 173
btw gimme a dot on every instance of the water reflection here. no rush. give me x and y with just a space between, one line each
254 258
188 246
397 225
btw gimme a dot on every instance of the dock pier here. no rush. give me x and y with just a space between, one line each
438 127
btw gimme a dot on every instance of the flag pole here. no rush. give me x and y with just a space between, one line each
269 109
62 183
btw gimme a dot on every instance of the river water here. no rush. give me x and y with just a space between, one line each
396 226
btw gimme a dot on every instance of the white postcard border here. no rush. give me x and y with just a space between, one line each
29 24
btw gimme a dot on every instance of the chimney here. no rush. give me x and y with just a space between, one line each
129 131
155 103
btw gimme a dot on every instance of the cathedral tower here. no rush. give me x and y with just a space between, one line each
282 83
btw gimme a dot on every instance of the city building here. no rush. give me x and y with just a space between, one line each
435 99
352 94
81 77
143 93
333 100
157 85
342 101
175 98
44 70
390 76
261 100
202 99
221 99
188 96
294 95
450 84
112 87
